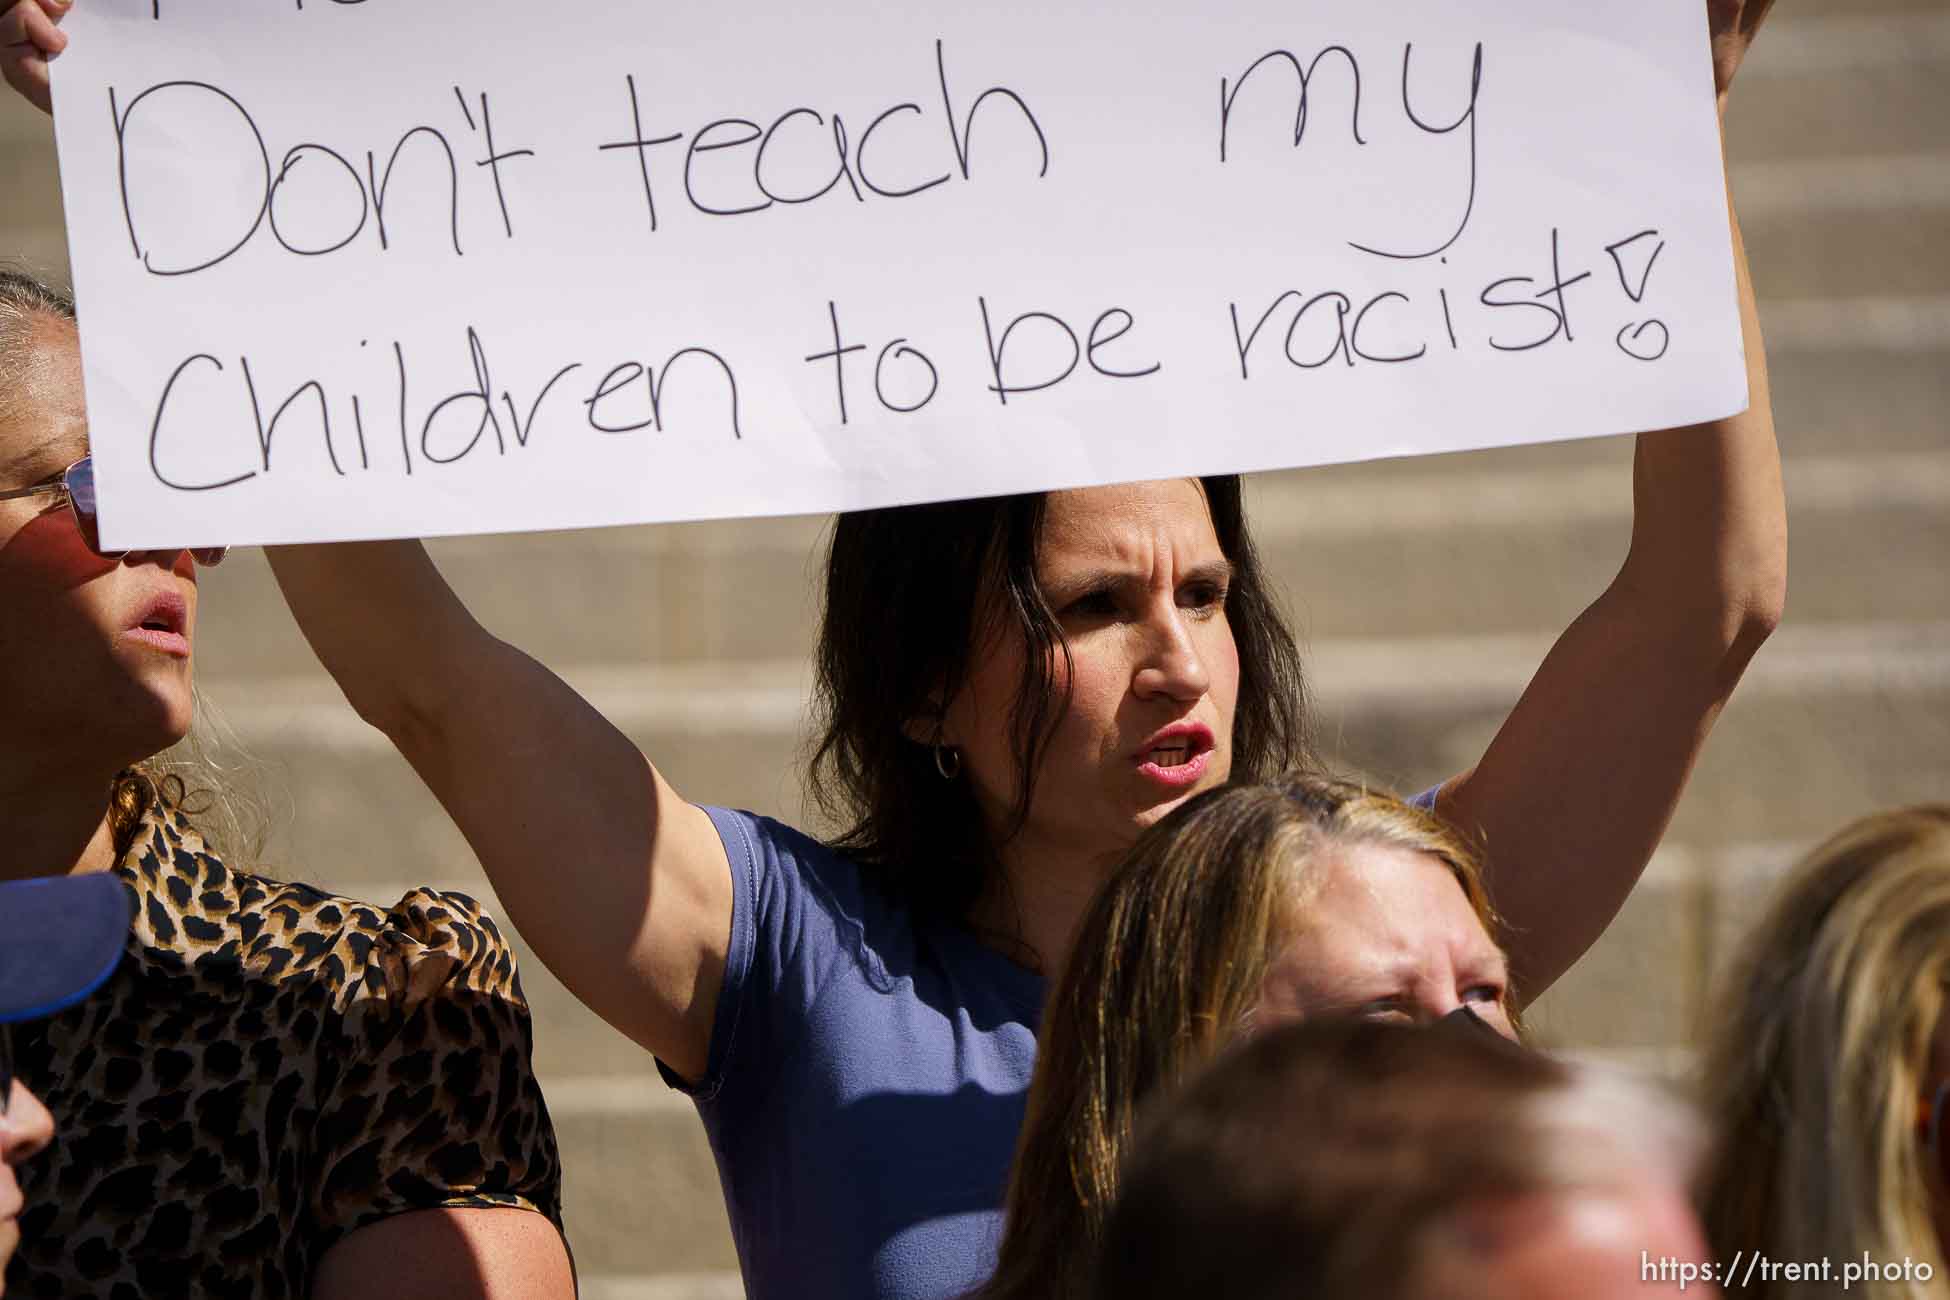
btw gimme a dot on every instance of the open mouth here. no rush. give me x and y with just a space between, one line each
1177 755
163 622
163 615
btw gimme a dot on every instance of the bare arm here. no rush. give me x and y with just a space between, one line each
1577 789
457 1254
620 886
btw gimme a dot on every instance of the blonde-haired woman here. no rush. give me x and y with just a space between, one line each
1251 906
1828 1075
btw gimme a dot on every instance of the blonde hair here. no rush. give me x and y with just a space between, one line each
27 305
1168 963
209 780
1817 1057
190 779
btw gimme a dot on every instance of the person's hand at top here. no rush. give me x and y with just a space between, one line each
28 40
1733 24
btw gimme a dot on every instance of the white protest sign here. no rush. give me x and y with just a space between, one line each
366 268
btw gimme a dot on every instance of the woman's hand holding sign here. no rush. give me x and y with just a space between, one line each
29 39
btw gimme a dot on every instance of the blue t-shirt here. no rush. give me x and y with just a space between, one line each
867 1080
866 1083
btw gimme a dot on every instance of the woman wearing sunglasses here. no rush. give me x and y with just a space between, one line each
278 1092
1828 1075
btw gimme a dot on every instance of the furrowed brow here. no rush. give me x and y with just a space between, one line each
1219 572
1494 967
1078 581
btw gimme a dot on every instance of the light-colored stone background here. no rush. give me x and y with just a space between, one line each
1427 590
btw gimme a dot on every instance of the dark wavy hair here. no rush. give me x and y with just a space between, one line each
906 591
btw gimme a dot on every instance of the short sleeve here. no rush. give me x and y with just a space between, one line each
798 909
426 1094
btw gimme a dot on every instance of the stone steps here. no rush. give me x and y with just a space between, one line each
1787 106
1837 712
1359 551
640 1192
663 1286
1858 401
1846 254
732 734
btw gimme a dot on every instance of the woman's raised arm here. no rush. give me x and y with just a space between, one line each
621 888
1577 789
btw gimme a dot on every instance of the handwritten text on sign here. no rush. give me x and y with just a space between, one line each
384 268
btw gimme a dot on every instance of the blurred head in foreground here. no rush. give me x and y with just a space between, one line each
1249 907
1349 1160
60 937
1828 1070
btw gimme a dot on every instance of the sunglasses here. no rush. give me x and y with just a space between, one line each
1933 1126
77 483
6 1068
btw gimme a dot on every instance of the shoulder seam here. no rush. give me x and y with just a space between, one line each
748 924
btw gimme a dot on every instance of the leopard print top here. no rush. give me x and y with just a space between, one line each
270 1068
